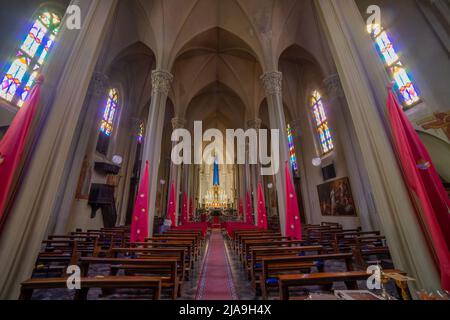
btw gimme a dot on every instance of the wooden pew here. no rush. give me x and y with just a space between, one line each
274 266
254 266
242 233
142 253
240 239
108 282
248 245
362 256
165 268
196 238
288 281
189 241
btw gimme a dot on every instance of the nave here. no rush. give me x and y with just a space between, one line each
235 261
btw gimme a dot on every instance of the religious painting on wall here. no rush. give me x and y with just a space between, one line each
336 199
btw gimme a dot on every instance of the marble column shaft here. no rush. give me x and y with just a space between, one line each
272 82
161 82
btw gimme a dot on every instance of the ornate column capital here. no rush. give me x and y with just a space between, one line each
296 128
98 84
178 123
161 81
272 82
334 87
254 124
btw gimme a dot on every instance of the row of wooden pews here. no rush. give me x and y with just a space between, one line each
274 263
160 264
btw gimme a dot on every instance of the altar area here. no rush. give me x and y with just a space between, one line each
217 193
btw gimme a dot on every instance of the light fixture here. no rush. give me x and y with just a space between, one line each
117 160
316 162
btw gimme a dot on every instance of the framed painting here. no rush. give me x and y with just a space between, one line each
336 198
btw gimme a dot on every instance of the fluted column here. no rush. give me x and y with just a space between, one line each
272 82
161 82
364 81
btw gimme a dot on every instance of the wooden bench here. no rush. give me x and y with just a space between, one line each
254 266
153 283
165 268
180 253
248 245
274 266
350 278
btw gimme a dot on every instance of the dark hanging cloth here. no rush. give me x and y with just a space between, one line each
102 197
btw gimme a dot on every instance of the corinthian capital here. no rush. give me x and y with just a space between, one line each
254 124
272 82
98 84
161 81
178 123
334 87
296 127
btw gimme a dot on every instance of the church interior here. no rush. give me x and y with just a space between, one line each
92 91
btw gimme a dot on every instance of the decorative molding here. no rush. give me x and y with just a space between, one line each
98 84
296 127
161 82
334 87
273 82
178 123
254 124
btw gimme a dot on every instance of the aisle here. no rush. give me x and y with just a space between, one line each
216 281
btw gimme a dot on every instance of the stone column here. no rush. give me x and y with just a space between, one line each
175 170
161 81
358 176
67 79
272 82
364 81
96 94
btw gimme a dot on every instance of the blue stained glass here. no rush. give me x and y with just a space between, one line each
32 53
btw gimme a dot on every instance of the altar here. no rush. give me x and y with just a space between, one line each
216 194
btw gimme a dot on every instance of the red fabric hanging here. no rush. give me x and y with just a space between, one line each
171 209
262 214
13 145
139 224
293 223
424 184
249 213
184 210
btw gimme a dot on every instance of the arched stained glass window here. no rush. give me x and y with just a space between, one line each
405 88
29 59
326 140
292 154
107 123
140 135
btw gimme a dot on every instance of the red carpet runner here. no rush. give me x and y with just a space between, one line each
216 281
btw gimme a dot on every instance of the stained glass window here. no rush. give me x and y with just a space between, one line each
107 123
141 132
29 59
321 121
405 88
292 154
